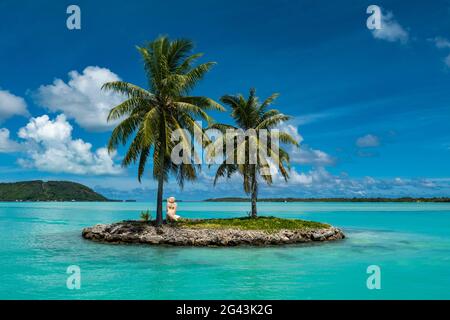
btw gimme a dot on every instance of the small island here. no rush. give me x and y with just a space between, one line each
261 231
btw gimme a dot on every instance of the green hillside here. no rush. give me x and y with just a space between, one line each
47 191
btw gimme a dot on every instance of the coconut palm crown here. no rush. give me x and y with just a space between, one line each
149 116
251 115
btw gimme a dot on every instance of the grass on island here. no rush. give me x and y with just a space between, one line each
270 224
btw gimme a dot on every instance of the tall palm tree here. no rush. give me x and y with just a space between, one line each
149 116
252 116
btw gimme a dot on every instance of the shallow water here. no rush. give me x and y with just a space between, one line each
410 242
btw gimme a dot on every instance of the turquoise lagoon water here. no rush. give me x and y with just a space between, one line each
409 242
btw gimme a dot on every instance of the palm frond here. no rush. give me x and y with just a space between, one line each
286 138
272 121
128 89
123 131
203 102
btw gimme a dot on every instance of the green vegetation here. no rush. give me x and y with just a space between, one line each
404 199
270 224
146 216
47 191
150 116
250 114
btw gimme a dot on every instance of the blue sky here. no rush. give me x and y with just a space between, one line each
372 109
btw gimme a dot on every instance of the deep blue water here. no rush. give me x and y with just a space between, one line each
410 243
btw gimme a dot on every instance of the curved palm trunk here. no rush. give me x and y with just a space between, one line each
254 199
159 201
159 216
254 193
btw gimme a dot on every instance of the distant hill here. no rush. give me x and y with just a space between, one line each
48 191
405 199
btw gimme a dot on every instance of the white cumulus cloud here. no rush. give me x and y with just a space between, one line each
390 30
51 148
81 98
319 182
11 105
6 144
305 154
314 177
369 140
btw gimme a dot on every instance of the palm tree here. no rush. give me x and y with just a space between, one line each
252 116
149 116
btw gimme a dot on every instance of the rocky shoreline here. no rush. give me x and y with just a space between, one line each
140 232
